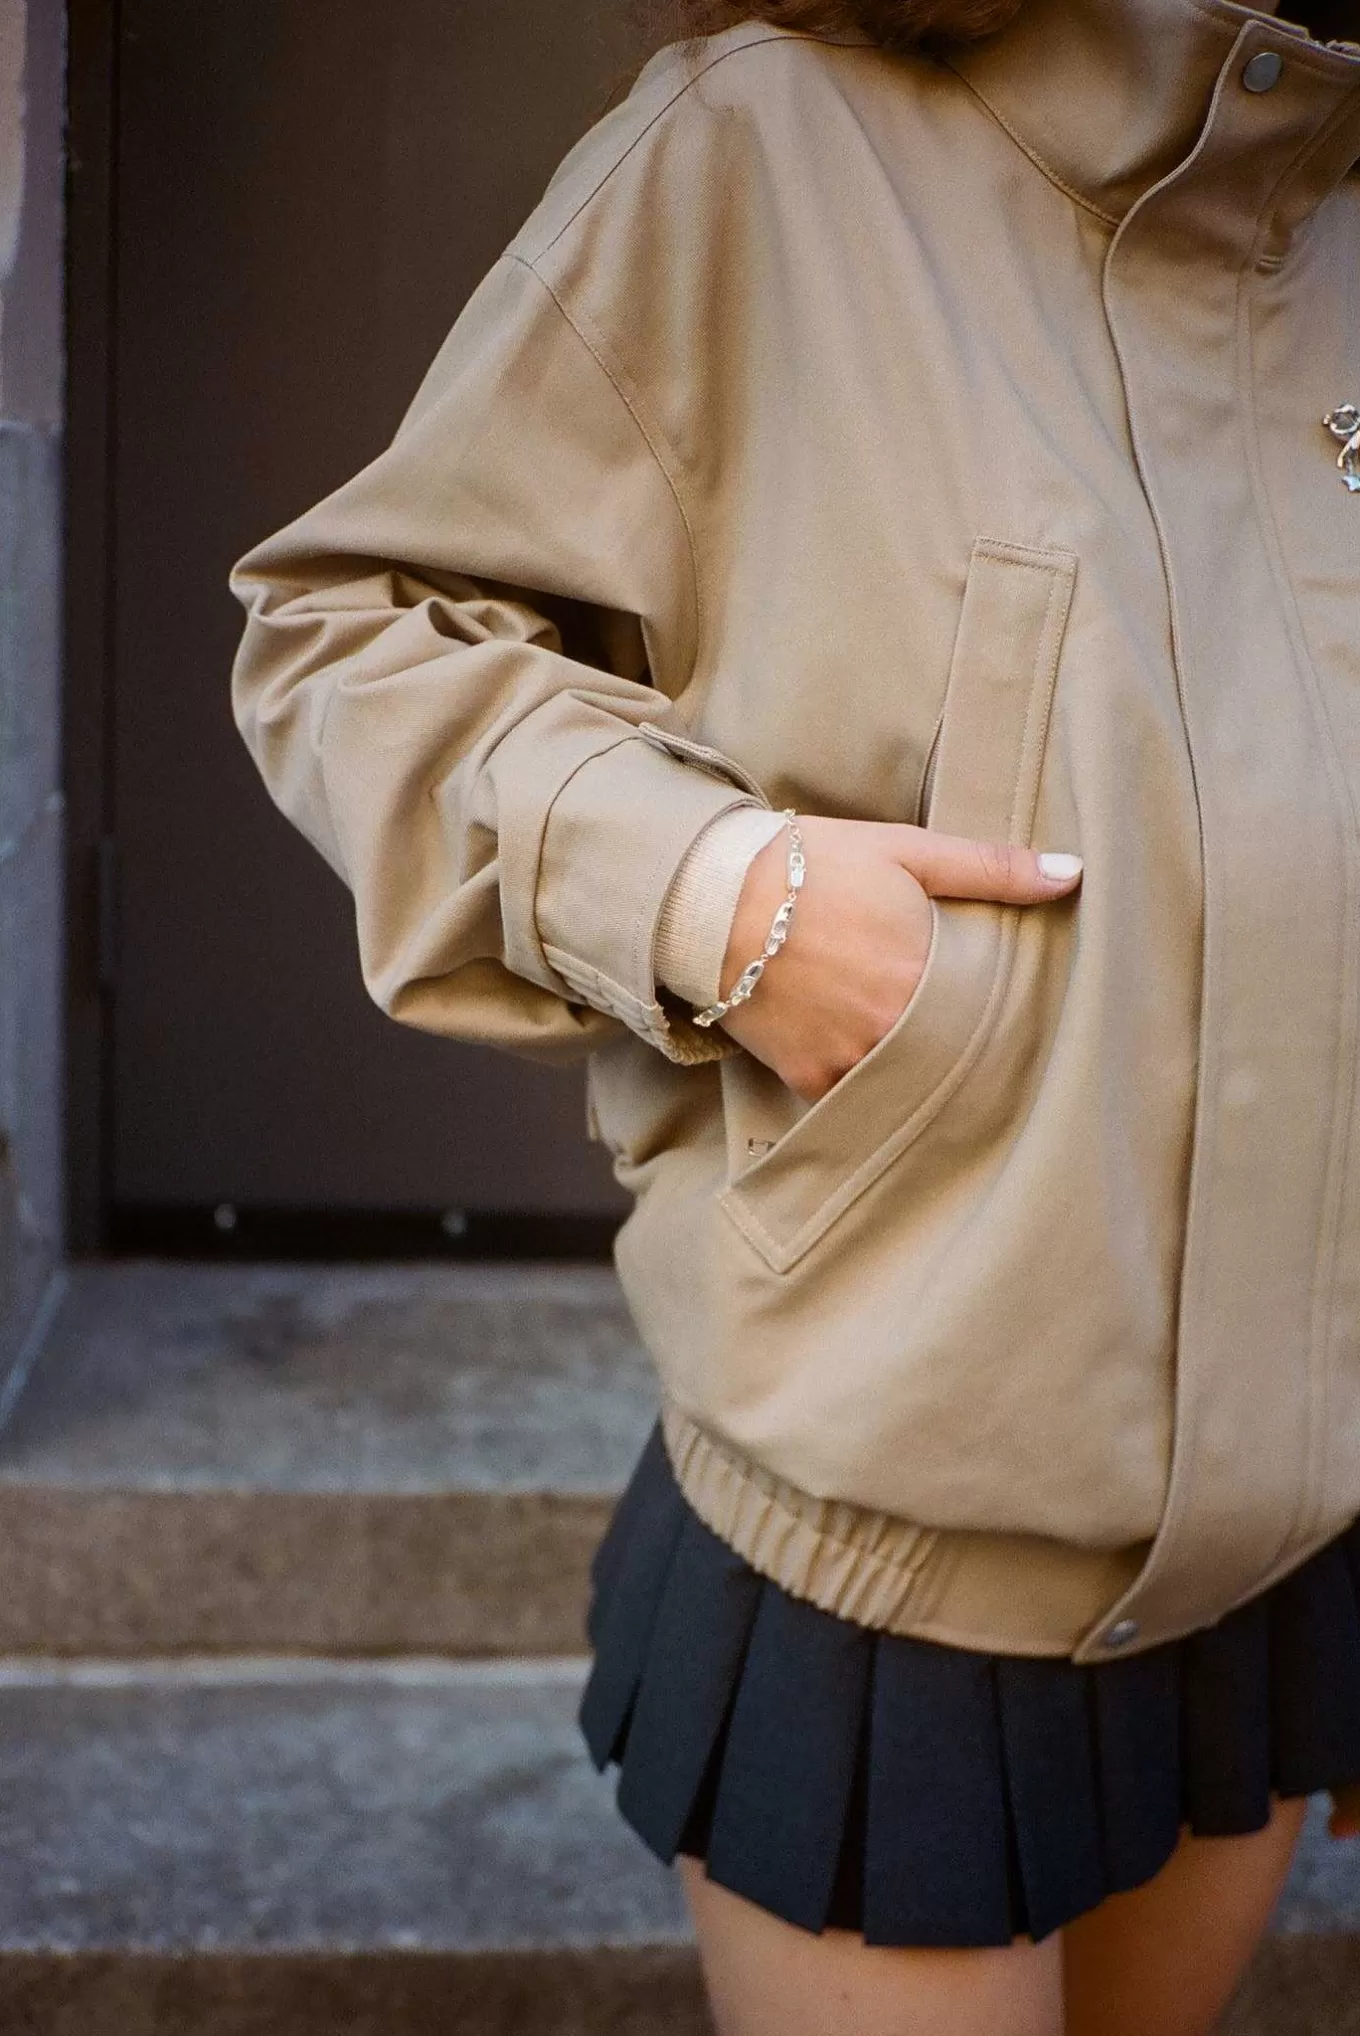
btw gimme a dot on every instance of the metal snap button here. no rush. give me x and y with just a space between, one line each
1263 70
1122 1632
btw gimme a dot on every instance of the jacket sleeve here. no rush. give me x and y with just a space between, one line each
456 679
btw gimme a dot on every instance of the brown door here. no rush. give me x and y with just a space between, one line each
306 194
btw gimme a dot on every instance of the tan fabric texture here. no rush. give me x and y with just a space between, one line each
906 439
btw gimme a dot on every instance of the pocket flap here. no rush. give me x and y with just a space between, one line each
985 779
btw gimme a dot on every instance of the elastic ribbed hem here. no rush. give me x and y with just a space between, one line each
996 1593
696 919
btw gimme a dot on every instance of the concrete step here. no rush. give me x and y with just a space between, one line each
1300 1986
332 1459
275 1848
211 1849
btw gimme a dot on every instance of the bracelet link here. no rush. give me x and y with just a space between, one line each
774 939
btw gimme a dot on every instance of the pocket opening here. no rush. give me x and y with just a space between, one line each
879 1048
927 791
987 755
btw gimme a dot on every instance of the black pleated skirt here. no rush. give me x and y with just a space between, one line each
925 1794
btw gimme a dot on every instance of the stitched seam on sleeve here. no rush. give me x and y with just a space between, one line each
756 42
647 429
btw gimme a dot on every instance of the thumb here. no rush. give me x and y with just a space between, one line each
956 866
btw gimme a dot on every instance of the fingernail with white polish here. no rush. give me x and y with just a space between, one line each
1059 867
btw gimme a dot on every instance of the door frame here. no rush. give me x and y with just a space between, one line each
88 611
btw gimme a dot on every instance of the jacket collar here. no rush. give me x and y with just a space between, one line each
1109 96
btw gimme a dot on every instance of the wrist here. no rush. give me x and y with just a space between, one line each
762 888
773 939
696 919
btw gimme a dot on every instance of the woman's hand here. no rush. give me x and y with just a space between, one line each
858 940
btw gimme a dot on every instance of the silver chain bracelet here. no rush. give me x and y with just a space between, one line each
777 935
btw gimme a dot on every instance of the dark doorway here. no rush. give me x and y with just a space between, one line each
300 198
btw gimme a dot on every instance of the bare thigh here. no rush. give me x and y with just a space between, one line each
767 1978
1166 1958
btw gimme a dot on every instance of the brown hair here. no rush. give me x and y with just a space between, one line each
897 24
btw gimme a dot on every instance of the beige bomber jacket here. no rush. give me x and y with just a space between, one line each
899 438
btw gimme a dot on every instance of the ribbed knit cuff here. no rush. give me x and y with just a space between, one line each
696 918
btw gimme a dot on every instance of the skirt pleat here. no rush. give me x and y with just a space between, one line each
637 1504
642 1537
928 1795
768 1841
1136 1719
684 1691
1225 1724
1314 1691
1051 1783
924 1698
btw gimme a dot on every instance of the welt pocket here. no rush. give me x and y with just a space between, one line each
982 778
984 782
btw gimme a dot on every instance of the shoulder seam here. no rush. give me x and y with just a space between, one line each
756 42
649 434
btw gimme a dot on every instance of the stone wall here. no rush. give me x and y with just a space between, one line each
31 120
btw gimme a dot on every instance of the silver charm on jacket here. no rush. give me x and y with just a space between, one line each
1344 423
